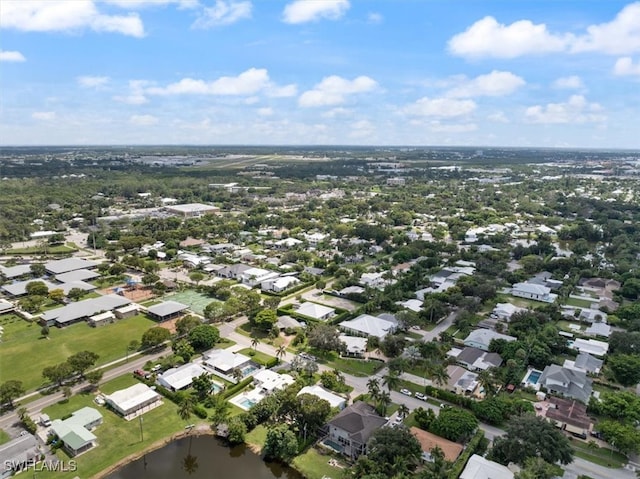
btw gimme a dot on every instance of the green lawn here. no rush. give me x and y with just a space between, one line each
602 456
314 465
4 437
580 303
117 438
355 367
24 354
121 382
257 356
257 436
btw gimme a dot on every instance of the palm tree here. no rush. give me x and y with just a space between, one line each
186 407
384 399
485 378
440 375
373 385
338 374
220 410
237 374
403 411
281 351
391 380
254 343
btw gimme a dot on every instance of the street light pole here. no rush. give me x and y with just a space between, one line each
141 432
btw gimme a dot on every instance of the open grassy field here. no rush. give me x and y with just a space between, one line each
24 353
57 249
117 438
257 356
356 367
314 465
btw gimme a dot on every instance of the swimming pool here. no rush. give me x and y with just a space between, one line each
333 445
247 403
248 370
534 377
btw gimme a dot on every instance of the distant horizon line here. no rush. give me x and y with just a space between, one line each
323 146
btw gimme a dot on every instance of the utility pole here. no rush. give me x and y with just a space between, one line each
141 432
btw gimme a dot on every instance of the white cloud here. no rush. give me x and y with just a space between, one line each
265 111
572 82
440 107
624 66
249 82
362 129
44 115
143 120
286 91
496 83
488 38
337 112
375 18
92 81
617 37
303 11
136 94
11 56
576 110
62 15
333 90
223 13
498 117
138 4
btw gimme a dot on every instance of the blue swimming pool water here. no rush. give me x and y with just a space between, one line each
248 403
534 376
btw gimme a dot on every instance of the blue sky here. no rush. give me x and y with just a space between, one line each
551 73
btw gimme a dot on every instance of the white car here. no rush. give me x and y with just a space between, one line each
406 392
421 396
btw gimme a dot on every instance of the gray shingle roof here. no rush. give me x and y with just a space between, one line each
359 420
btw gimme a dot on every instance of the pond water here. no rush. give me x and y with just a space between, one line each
213 459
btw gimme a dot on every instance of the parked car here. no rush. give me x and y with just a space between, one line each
406 392
421 396
156 368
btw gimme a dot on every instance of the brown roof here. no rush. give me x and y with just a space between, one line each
429 441
191 242
569 412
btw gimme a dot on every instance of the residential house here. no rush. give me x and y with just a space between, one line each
584 362
176 379
480 468
18 454
352 428
374 280
598 329
429 441
287 243
268 381
75 432
504 311
280 284
414 305
233 271
254 276
355 346
287 322
316 311
367 325
476 359
134 400
590 346
224 363
334 400
566 382
570 416
481 338
463 382
536 292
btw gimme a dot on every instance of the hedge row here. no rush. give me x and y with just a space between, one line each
231 390
475 444
453 398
